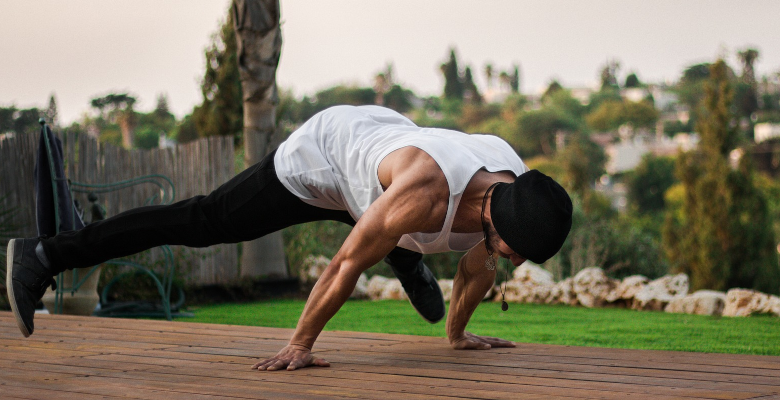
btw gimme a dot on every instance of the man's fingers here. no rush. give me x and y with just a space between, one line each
263 364
277 365
498 342
472 344
319 362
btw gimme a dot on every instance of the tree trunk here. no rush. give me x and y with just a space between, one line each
126 125
259 40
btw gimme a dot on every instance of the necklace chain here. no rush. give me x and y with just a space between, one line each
490 261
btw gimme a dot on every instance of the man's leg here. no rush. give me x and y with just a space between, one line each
252 204
418 282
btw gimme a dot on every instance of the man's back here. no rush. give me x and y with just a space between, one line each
333 160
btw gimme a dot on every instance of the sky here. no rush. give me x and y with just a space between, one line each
80 49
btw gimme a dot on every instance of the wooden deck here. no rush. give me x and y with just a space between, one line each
95 358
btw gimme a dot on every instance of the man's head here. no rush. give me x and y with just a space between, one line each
532 216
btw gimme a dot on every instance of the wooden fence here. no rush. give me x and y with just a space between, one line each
196 168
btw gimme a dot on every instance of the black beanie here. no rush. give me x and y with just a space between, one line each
532 215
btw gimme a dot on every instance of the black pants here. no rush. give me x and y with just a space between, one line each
252 204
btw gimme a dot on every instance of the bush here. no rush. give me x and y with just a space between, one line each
621 246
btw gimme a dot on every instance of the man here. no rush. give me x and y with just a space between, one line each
407 190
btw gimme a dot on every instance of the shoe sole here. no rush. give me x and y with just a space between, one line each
422 316
9 284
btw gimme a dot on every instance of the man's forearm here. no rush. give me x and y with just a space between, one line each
468 290
330 293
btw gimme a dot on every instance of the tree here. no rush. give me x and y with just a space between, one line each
259 46
537 130
118 108
221 112
399 99
608 75
648 183
52 117
719 234
185 131
470 91
632 81
489 75
552 88
453 86
610 115
583 162
746 93
514 80
383 82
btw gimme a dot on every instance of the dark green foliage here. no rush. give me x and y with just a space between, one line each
537 130
745 99
399 99
221 112
113 101
553 87
632 81
146 137
514 80
337 95
611 114
648 183
603 96
608 75
720 232
561 100
20 121
470 91
696 73
453 86
619 245
583 162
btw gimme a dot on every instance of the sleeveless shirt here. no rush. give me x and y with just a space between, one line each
332 162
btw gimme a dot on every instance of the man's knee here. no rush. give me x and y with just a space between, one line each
400 257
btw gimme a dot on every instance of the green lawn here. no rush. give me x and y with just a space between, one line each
531 323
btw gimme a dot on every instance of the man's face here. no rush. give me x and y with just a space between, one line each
497 245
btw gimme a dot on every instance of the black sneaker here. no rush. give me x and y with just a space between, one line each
27 279
422 289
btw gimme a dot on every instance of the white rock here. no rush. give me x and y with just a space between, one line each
393 290
312 267
592 287
530 272
658 293
517 291
446 288
701 302
361 288
625 291
745 302
376 285
563 293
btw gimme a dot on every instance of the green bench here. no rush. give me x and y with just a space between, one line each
162 278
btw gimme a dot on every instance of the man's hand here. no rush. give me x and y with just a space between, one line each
470 341
291 357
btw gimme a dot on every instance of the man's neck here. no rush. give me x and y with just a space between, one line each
468 215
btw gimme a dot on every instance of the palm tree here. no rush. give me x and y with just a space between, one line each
259 39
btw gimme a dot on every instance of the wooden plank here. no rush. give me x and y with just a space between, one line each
160 359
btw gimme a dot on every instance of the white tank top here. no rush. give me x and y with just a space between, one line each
332 162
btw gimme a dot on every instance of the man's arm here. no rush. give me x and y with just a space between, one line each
412 203
472 282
